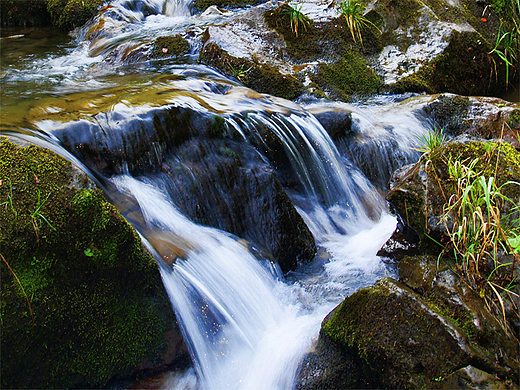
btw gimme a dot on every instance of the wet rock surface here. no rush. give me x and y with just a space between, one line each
391 336
228 185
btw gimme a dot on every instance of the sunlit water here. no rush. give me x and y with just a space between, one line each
247 325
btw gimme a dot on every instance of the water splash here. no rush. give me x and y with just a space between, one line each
239 330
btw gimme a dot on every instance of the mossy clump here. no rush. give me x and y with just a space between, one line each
168 46
493 159
404 344
81 301
349 77
68 14
262 78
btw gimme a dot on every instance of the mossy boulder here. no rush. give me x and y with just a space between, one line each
168 46
68 14
82 302
263 78
393 337
419 191
442 46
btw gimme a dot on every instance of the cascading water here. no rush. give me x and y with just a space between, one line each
247 326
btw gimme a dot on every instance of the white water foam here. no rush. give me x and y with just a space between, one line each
245 329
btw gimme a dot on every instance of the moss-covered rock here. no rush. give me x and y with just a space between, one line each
168 46
263 78
69 14
407 340
464 68
82 303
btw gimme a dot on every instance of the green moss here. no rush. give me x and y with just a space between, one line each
69 14
174 45
350 76
263 78
91 305
514 119
498 160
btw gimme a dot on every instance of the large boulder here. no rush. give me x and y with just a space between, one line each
228 185
390 336
82 303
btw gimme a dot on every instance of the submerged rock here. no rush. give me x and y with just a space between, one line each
82 302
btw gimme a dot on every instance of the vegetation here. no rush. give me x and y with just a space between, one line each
480 213
507 46
348 77
81 302
352 11
431 141
298 19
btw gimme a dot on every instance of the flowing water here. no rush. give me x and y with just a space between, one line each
247 325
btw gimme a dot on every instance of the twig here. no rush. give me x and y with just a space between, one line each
18 280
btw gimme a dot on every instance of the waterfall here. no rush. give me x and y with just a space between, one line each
230 308
245 327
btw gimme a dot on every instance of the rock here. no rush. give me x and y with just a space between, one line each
228 185
404 241
337 122
479 117
329 367
115 141
263 78
394 337
470 377
82 302
168 46
419 192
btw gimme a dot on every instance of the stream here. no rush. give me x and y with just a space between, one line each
247 324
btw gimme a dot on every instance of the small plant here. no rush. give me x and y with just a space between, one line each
9 201
21 287
506 47
352 11
298 18
431 141
36 213
240 74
